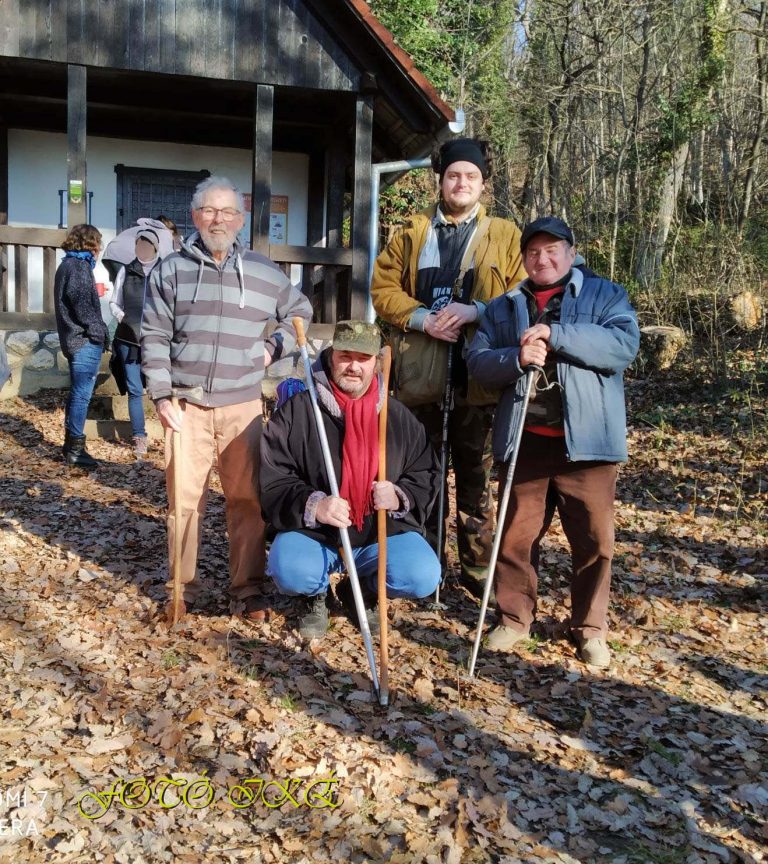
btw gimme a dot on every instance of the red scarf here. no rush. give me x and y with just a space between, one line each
360 453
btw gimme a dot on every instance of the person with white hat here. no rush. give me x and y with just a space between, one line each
127 305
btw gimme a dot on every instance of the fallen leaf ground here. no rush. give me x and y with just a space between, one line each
663 758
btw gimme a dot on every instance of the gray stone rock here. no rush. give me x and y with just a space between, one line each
23 343
282 368
61 363
51 341
40 360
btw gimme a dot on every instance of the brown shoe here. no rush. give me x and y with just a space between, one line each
256 610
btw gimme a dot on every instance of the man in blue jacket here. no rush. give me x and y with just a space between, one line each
582 331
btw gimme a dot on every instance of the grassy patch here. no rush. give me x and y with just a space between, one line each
172 658
657 747
403 745
288 702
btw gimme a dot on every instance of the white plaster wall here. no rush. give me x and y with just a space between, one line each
37 169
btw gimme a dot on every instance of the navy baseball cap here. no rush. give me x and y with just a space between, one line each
546 225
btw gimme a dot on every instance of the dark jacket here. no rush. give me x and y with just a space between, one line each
78 311
207 326
595 340
134 292
292 465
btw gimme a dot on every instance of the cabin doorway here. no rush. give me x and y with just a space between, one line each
153 192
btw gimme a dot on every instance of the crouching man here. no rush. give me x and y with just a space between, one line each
296 499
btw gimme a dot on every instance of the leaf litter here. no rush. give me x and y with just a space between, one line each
661 758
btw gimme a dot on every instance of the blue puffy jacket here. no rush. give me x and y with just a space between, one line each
595 340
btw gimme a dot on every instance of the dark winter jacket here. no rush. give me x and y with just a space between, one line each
205 325
78 311
595 340
292 465
134 291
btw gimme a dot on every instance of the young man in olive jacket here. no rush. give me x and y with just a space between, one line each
414 288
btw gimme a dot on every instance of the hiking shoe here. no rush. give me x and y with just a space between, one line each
313 624
140 446
256 609
503 638
594 652
347 600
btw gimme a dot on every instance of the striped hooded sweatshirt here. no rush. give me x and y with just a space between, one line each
207 325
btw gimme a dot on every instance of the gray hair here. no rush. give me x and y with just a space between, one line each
215 182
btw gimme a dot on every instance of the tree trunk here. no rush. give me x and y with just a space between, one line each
653 241
757 141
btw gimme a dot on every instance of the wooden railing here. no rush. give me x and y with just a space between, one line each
325 279
22 240
325 276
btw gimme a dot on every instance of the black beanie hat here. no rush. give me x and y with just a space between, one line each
461 150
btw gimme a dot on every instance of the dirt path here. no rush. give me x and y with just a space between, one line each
663 758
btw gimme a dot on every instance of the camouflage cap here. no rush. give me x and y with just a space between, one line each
357 336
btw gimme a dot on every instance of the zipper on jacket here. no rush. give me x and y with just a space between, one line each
211 374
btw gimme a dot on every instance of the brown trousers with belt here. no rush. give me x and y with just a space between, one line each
230 437
583 494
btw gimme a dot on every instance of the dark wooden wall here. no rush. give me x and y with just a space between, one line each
277 42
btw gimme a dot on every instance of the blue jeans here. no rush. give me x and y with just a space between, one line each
83 368
134 384
300 565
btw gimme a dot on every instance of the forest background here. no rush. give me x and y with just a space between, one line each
642 123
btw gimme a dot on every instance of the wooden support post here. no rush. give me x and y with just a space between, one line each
361 204
334 219
21 278
315 215
76 164
261 189
49 274
3 216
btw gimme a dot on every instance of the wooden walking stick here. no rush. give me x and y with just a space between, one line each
177 608
178 535
381 516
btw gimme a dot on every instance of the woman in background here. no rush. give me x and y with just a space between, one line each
82 334
127 305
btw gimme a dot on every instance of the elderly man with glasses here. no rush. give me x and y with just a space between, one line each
215 316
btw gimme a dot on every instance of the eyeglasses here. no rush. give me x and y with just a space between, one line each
227 213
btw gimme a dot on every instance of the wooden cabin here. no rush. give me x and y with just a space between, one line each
114 109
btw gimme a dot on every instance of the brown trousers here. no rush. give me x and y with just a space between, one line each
583 495
228 436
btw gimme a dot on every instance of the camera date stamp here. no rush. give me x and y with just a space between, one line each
21 809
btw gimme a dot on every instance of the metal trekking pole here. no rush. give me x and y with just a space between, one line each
530 375
447 405
298 324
